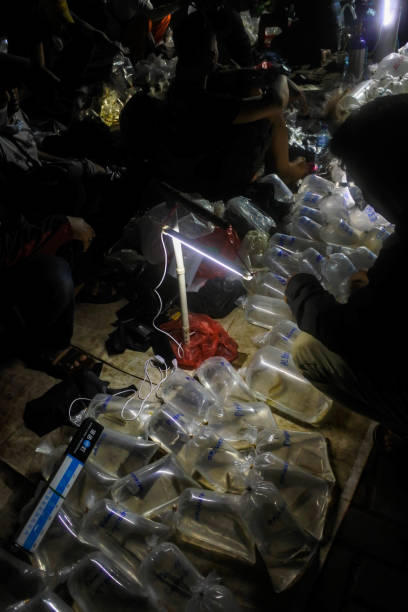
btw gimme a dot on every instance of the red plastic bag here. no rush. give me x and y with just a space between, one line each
223 244
207 339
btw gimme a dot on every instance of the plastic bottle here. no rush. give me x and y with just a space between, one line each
266 311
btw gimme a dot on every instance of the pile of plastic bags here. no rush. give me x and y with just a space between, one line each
390 77
205 463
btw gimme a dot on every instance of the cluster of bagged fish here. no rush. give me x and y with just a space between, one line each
390 77
206 464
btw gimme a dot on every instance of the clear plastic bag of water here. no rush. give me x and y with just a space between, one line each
243 208
252 248
152 487
374 239
47 601
305 227
269 284
172 430
294 244
216 463
394 64
304 449
266 311
284 546
362 258
91 485
311 263
170 575
62 546
274 378
342 233
121 412
311 213
281 261
20 580
333 207
336 272
99 584
109 527
214 522
366 219
282 193
187 395
210 596
309 199
316 184
239 422
119 454
307 496
281 336
219 377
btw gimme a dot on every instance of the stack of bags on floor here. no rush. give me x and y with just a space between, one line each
204 464
331 233
390 77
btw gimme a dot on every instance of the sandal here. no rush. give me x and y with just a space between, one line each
70 362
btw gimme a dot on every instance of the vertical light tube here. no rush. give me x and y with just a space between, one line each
390 19
389 12
181 277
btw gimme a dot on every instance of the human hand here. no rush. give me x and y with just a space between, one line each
81 231
358 279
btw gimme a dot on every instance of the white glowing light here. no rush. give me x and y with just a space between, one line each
179 238
390 12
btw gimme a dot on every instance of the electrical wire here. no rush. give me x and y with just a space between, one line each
180 350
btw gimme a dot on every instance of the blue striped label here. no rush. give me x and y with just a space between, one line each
66 475
39 521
